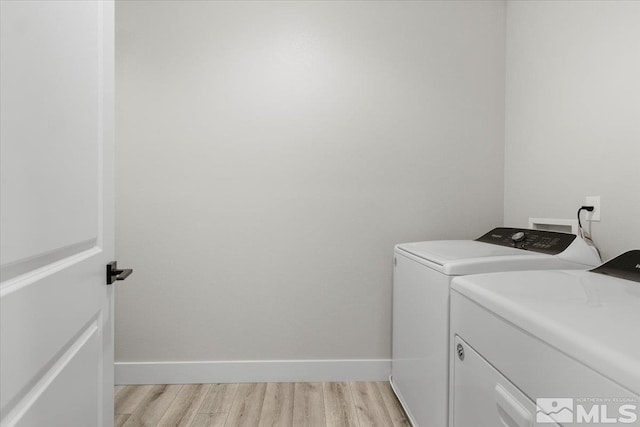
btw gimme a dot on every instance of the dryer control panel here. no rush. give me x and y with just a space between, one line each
546 242
625 266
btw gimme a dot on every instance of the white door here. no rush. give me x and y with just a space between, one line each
56 326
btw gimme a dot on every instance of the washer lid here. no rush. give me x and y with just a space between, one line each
443 251
591 317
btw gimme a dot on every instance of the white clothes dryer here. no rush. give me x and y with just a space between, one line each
421 281
544 348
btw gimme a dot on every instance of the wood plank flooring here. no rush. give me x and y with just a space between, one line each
339 404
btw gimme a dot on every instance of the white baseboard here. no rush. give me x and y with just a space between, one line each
252 371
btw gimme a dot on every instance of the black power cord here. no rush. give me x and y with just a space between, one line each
583 208
582 232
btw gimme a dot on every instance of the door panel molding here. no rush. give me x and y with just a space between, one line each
15 284
17 268
16 410
52 126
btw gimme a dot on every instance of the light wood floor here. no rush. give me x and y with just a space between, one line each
259 404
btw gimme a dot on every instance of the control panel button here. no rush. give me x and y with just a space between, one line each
518 237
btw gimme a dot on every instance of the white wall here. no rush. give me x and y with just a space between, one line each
269 156
573 115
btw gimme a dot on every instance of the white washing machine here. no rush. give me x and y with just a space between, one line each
421 280
567 340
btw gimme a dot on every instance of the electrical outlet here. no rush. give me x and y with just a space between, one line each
595 214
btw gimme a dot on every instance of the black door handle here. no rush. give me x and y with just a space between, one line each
114 274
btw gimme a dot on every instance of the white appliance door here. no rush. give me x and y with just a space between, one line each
483 397
56 333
